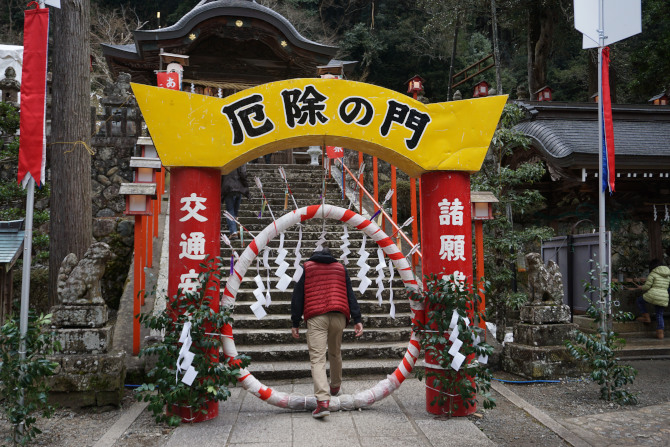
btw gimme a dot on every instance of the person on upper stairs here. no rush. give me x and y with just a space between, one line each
656 288
326 298
233 186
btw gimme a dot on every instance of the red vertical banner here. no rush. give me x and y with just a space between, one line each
32 146
195 227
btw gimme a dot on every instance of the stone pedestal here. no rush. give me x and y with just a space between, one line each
88 374
538 350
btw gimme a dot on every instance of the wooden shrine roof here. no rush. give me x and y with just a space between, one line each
226 41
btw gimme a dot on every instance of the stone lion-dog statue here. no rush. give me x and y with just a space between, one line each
79 280
545 283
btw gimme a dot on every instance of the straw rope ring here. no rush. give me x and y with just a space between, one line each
346 401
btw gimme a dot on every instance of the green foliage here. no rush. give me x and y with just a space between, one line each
25 377
9 118
214 377
508 234
443 297
599 350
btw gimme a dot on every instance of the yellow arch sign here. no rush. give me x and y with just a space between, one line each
204 131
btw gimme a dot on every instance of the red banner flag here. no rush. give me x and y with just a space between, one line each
32 146
608 126
334 152
168 80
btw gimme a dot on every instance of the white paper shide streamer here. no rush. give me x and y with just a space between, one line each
392 274
321 241
298 257
345 245
362 263
380 274
456 343
284 279
266 264
259 293
186 357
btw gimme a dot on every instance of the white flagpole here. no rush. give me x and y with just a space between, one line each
25 278
602 260
27 260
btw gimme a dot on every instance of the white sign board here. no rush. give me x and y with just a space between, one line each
621 19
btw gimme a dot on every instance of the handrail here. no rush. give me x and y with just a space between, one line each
395 226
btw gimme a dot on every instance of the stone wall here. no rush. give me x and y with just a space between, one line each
116 124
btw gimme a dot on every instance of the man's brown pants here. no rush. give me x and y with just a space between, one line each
325 332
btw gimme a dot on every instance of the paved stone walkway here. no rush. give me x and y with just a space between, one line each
400 420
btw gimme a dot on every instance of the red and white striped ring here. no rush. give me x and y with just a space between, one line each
361 399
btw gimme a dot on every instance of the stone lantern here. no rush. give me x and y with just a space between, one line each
10 87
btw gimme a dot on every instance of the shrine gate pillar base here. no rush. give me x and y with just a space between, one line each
446 241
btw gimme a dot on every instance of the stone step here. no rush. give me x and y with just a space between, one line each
247 337
368 306
298 351
301 369
283 321
311 230
398 286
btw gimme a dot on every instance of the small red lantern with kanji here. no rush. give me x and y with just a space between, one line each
481 90
544 94
415 85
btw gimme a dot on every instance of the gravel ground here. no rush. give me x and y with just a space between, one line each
506 425
83 428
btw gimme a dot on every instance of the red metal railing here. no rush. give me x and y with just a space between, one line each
396 230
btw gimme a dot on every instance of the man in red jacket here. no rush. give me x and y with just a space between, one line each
325 296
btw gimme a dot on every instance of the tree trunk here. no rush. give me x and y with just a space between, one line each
496 50
529 48
543 47
70 227
453 51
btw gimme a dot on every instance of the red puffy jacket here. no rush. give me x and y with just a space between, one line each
325 289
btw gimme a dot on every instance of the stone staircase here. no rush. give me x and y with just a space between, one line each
274 353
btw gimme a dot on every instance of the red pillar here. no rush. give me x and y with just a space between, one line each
415 226
479 247
446 242
394 200
195 212
360 179
191 189
375 180
138 280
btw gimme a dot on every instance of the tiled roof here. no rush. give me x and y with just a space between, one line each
11 243
566 135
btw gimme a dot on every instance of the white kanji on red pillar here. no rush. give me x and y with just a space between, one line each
188 282
452 247
192 205
193 247
451 213
459 280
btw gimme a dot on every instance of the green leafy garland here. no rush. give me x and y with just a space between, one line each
442 297
166 391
